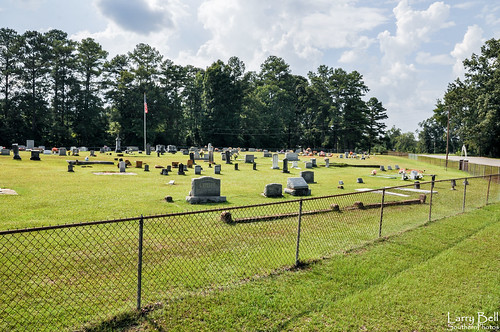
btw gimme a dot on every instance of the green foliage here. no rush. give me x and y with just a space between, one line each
62 93
474 106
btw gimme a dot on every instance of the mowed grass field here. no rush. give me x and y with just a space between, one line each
83 274
420 280
49 194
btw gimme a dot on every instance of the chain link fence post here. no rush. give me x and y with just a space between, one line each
488 192
466 182
430 199
139 263
381 214
298 234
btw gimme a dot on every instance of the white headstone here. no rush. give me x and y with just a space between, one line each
275 161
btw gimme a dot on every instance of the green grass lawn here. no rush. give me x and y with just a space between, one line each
77 275
49 195
412 281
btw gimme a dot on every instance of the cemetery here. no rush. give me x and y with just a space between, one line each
73 183
253 203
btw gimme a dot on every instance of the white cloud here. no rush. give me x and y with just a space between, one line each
471 43
413 29
425 58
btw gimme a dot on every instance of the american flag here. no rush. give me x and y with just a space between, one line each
145 105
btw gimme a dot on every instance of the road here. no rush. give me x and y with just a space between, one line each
472 160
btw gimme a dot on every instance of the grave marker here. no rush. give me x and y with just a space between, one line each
205 189
297 187
308 176
285 166
15 150
35 155
275 161
273 190
290 156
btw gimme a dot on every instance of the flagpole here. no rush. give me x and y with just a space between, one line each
145 111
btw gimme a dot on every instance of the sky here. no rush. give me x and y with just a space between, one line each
408 51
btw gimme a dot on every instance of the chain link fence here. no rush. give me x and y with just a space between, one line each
69 277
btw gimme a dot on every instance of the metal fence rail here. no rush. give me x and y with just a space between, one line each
69 276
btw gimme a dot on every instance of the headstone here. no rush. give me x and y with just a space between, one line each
190 163
416 185
273 190
327 162
62 152
180 171
138 164
389 168
254 165
148 149
251 149
35 155
290 156
118 147
197 170
169 168
70 167
15 150
382 168
396 166
5 152
359 180
275 161
122 166
297 187
164 171
191 156
205 189
341 182
308 164
217 169
267 154
308 176
235 166
228 156
341 156
346 155
75 151
295 164
146 168
313 162
285 166
92 153
30 144
413 175
249 158
175 164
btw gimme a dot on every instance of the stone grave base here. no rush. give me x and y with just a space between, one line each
205 199
298 192
7 192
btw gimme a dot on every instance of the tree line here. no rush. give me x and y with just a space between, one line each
61 92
